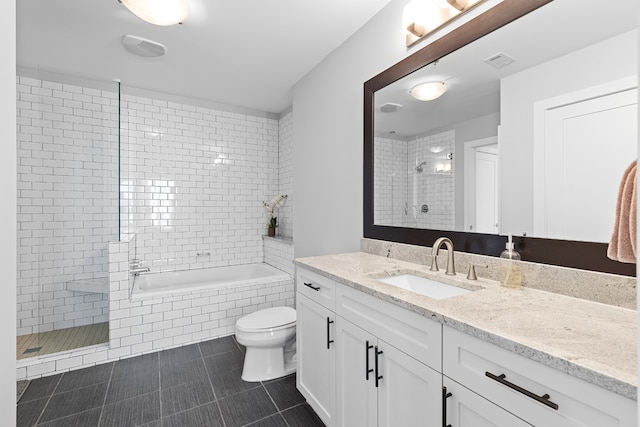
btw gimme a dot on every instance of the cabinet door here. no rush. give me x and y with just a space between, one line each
316 357
356 391
409 392
464 408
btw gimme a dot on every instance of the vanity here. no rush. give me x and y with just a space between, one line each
371 353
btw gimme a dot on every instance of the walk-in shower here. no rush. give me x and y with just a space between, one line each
68 204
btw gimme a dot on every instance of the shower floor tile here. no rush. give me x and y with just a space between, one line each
195 385
34 345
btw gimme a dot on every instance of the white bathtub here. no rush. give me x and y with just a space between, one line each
170 282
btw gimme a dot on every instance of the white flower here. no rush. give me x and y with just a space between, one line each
275 203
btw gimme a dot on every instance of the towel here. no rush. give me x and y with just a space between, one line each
622 246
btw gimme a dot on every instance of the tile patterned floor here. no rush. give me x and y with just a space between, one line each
61 340
191 386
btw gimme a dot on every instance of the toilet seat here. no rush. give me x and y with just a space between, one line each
268 319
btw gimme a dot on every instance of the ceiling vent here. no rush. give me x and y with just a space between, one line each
499 60
390 107
143 47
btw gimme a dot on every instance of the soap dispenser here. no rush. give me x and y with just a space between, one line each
510 276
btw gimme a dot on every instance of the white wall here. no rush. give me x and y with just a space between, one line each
328 132
603 62
8 215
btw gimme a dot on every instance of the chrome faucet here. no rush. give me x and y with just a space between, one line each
451 268
136 271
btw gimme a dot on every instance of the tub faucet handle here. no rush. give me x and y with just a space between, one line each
135 263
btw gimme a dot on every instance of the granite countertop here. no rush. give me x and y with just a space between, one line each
588 340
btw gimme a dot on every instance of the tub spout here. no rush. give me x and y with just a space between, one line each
137 271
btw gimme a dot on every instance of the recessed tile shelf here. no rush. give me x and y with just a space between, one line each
95 286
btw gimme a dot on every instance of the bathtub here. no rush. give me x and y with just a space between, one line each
171 282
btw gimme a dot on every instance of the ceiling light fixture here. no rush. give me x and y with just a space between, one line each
428 91
158 12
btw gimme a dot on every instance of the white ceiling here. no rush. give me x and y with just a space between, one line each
236 52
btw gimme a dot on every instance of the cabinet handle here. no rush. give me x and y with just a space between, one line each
309 285
378 377
502 379
366 358
445 396
329 340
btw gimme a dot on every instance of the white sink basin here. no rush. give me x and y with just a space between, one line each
427 287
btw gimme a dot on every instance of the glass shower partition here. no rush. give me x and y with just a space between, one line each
68 210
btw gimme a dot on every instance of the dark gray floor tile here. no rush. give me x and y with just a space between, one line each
157 423
126 387
41 387
246 407
284 392
136 411
302 416
180 373
73 402
273 421
84 377
88 418
228 361
186 396
218 345
29 412
133 365
203 416
228 383
179 354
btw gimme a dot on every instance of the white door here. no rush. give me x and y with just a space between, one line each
464 408
316 363
356 391
409 392
588 144
481 186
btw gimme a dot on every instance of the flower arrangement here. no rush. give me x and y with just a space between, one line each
275 203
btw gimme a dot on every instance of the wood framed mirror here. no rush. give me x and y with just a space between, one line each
587 255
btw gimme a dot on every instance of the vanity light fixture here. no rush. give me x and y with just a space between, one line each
158 12
428 91
422 17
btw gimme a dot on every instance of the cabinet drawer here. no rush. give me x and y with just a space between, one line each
512 381
316 287
416 335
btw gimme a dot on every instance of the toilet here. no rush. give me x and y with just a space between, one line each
270 338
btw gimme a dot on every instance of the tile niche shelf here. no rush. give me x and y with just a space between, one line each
99 285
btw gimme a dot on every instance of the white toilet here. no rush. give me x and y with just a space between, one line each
270 338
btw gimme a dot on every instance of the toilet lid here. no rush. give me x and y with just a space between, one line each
268 318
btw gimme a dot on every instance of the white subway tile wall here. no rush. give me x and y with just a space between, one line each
401 189
193 183
285 175
67 140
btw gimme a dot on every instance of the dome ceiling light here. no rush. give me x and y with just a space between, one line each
428 91
159 12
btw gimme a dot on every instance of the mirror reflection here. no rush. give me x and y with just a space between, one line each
531 137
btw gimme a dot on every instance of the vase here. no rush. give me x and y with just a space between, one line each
271 231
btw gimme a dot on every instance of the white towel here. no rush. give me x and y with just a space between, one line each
622 246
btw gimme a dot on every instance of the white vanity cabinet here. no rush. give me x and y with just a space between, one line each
315 344
464 408
382 377
535 393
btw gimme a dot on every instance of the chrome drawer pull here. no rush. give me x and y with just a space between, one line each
309 285
544 399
